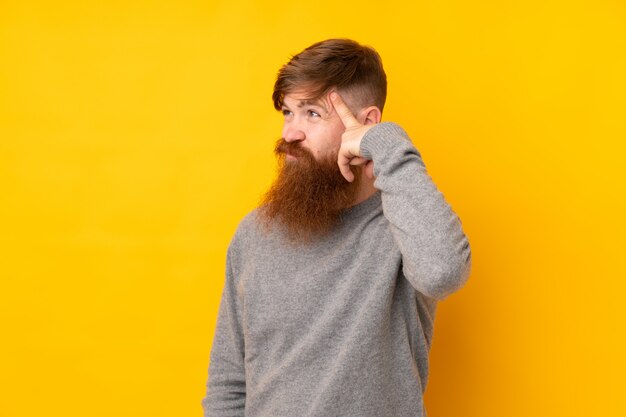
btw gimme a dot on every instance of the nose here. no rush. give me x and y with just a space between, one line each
292 132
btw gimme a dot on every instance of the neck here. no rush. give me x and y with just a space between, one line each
366 190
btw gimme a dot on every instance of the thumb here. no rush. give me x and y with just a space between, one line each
358 160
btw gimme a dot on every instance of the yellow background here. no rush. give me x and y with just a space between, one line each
135 135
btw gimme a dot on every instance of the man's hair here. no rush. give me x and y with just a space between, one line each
344 64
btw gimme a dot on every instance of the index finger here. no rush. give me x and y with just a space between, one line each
345 114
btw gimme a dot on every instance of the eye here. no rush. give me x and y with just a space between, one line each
286 112
313 113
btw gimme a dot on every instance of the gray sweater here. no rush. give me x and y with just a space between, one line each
343 326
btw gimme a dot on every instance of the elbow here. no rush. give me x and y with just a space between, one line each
439 280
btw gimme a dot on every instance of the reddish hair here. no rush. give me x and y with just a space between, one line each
334 63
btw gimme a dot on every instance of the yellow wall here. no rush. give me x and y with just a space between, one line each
135 135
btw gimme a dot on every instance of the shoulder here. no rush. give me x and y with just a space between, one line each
247 233
248 223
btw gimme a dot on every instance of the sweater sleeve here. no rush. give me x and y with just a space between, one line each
436 256
226 385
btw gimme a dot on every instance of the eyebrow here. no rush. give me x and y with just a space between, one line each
307 103
316 103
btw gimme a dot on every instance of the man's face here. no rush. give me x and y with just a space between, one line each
310 192
314 125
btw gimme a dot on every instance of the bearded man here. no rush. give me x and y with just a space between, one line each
332 283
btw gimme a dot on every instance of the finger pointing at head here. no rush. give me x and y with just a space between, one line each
345 114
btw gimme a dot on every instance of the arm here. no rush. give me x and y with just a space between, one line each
436 255
226 385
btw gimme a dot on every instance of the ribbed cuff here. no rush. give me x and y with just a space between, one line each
381 137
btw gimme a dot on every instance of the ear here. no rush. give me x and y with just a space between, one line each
370 115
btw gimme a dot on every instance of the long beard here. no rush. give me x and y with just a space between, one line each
307 196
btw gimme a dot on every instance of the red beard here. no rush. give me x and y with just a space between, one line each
308 196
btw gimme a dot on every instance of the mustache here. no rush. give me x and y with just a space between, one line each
283 147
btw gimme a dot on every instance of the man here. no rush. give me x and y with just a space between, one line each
333 282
